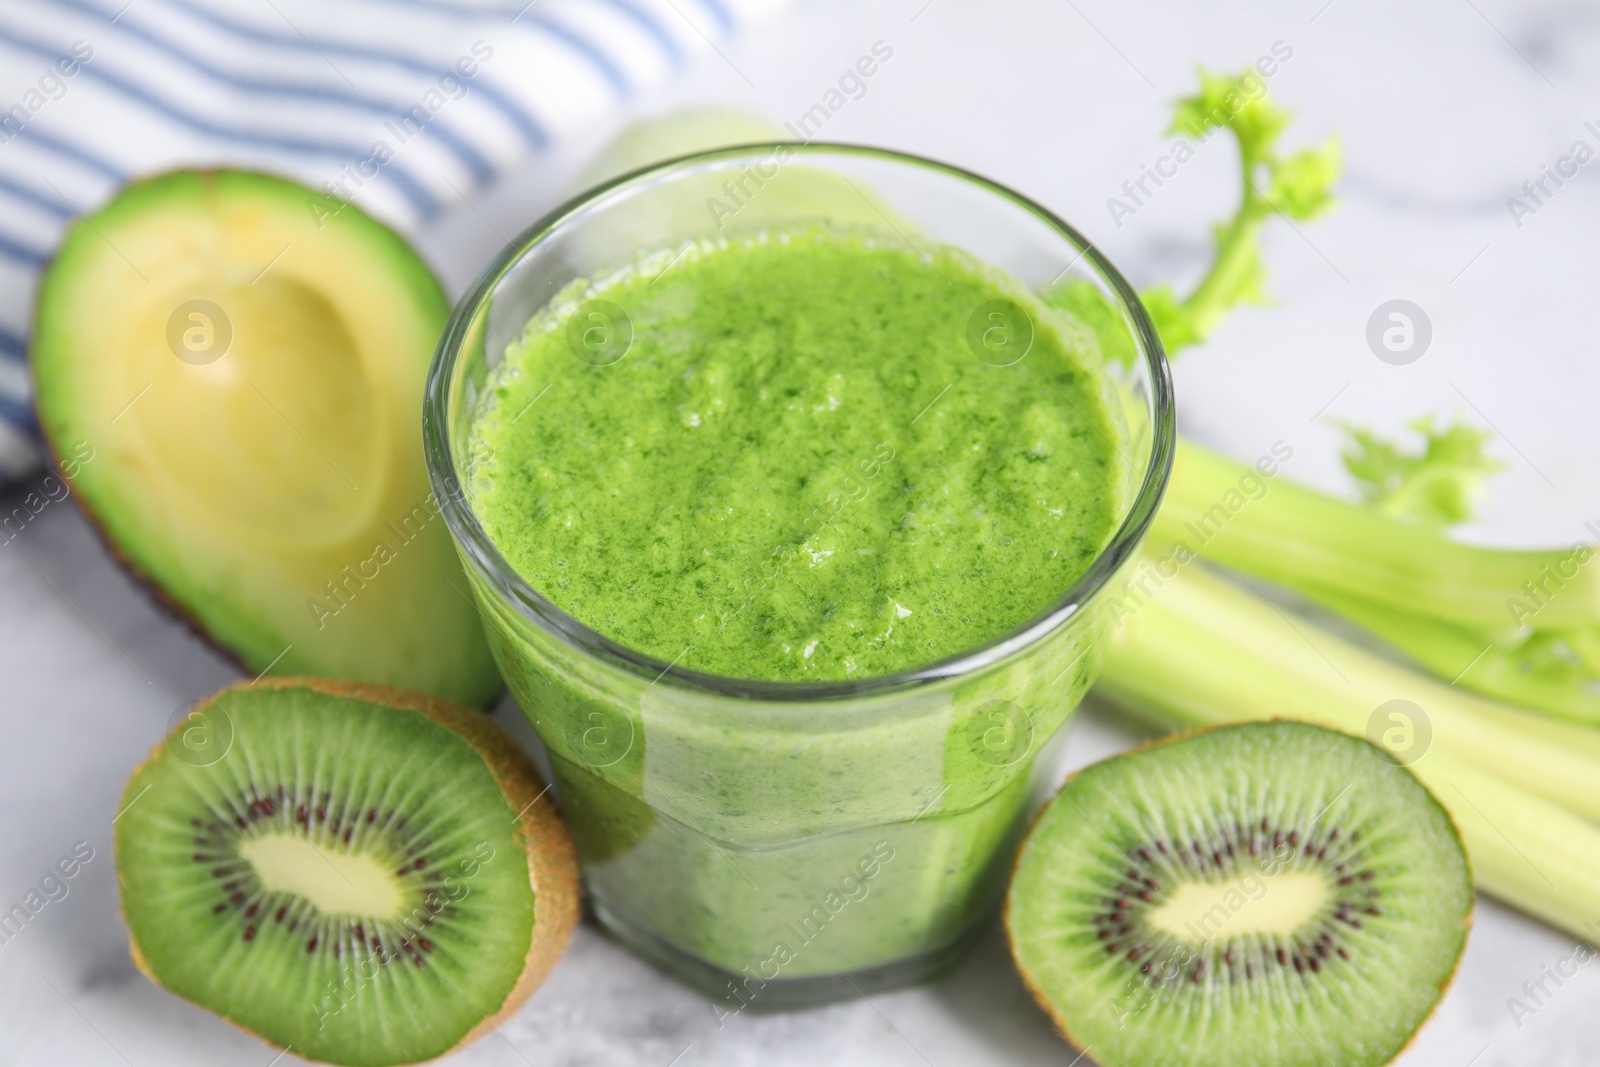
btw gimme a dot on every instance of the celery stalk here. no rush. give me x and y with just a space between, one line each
1205 629
1584 739
1302 538
1200 652
1477 660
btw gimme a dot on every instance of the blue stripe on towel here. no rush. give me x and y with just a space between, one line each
419 197
49 203
647 22
468 155
18 413
584 47
527 16
15 250
720 12
12 346
50 142
519 116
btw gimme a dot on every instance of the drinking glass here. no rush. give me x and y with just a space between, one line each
779 843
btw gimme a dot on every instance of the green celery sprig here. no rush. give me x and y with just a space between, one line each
1298 185
1437 486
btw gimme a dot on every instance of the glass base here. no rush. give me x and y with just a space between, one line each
740 992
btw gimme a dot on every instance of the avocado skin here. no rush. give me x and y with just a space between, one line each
439 649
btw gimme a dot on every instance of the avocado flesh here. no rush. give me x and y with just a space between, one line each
273 492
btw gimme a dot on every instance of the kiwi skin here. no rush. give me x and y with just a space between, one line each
1060 1023
552 862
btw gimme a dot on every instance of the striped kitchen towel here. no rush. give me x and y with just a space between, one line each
404 106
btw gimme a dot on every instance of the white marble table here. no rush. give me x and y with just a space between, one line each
1445 108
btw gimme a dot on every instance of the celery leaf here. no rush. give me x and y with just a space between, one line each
1436 485
1299 185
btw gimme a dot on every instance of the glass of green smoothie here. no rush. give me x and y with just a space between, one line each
794 484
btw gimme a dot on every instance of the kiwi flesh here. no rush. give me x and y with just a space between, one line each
358 874
1263 894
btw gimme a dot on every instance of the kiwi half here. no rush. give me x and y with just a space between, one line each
358 874
1265 894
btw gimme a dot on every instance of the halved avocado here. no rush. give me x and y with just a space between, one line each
243 360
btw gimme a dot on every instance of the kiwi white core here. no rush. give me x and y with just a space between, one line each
337 883
1248 904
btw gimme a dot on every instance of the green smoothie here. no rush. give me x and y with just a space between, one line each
799 469
803 455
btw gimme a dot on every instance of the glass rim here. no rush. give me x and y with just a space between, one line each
481 552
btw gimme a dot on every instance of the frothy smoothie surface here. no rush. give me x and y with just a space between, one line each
799 468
